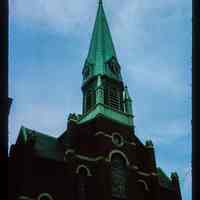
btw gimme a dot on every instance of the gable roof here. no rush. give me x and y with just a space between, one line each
43 145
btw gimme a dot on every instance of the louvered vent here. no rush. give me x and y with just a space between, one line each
114 98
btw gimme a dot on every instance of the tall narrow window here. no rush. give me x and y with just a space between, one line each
82 187
142 191
119 176
90 100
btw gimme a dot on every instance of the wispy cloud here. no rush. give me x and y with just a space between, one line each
59 16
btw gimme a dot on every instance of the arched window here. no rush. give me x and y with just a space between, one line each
142 189
82 184
119 176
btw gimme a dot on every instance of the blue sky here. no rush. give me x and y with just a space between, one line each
49 41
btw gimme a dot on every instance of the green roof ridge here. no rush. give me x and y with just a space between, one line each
24 132
44 145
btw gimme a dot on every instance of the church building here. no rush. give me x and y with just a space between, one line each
98 156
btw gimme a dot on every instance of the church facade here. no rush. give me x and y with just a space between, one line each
99 155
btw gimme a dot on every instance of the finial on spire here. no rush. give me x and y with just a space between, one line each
127 96
100 2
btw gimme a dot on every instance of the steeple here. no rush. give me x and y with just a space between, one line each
103 89
101 46
101 51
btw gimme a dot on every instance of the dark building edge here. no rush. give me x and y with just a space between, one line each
5 101
195 98
4 78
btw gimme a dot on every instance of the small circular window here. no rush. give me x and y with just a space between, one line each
117 140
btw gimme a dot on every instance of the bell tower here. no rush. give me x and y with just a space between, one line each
103 89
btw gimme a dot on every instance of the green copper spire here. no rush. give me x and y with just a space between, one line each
101 46
103 89
101 53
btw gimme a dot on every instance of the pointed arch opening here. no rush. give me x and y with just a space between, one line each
83 173
83 170
116 151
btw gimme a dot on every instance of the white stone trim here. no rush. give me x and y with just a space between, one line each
132 143
73 120
46 195
89 159
99 133
85 167
153 174
119 152
111 137
143 173
82 157
144 183
69 151
102 133
135 167
149 147
116 133
25 198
